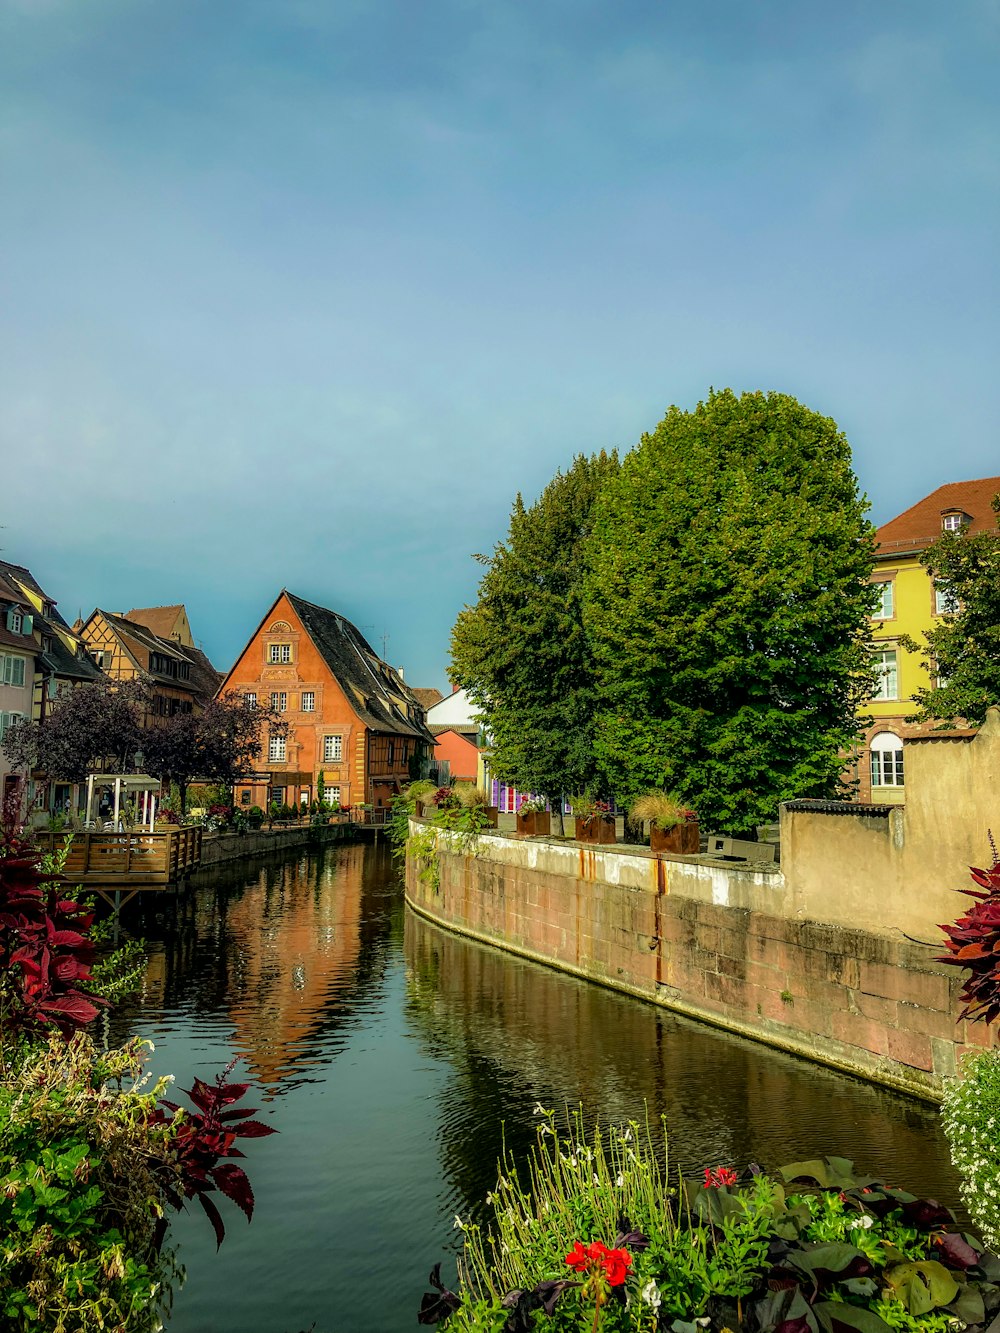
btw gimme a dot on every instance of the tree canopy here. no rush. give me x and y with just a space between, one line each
727 605
962 651
522 652
94 726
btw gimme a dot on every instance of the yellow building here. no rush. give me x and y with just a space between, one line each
909 604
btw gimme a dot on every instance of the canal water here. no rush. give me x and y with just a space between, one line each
396 1060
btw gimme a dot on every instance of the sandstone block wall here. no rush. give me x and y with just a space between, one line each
714 941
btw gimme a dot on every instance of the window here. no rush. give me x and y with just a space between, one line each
279 702
276 750
392 753
953 522
250 699
888 674
245 796
332 796
6 719
280 652
308 701
887 760
883 601
277 796
14 622
11 670
945 601
333 749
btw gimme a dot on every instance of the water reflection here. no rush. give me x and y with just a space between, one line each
539 1036
396 1059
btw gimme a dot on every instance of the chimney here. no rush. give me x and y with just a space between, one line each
454 689
399 673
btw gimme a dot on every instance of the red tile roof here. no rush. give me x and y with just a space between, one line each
920 525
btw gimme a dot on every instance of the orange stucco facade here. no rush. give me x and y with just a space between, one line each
461 754
282 666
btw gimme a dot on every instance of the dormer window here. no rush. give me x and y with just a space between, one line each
954 520
15 621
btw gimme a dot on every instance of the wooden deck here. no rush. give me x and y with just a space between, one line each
119 865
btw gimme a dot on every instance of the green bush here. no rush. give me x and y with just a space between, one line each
80 1202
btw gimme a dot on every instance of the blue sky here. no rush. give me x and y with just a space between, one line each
301 292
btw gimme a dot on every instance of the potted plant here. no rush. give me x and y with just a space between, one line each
533 819
476 801
672 826
594 820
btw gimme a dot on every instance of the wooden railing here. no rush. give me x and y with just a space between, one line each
135 858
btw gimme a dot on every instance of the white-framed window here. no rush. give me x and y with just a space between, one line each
280 652
883 601
11 670
952 522
14 622
333 749
250 699
308 701
945 601
279 701
6 719
332 796
887 760
277 750
888 674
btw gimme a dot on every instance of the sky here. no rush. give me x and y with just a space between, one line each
301 293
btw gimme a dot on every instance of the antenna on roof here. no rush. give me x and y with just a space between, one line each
385 643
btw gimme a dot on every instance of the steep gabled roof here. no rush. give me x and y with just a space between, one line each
160 619
918 526
427 696
375 690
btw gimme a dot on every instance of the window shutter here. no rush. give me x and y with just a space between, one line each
10 619
27 624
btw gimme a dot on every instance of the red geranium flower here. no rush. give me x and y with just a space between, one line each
596 1259
716 1177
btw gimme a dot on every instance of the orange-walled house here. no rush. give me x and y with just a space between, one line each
348 713
461 753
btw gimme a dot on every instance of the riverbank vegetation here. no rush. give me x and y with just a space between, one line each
92 1155
693 619
602 1236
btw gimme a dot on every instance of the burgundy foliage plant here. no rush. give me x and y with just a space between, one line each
204 1139
974 943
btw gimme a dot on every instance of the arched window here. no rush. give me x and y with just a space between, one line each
887 760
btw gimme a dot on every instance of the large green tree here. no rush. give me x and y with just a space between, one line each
728 605
963 649
522 653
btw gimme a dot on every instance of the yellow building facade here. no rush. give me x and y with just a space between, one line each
909 604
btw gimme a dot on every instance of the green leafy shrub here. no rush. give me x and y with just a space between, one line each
80 1194
599 1238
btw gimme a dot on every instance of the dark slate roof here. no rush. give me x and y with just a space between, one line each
72 666
810 806
204 678
375 690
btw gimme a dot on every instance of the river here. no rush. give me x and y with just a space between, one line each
396 1059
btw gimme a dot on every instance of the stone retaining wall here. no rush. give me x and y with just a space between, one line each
712 940
218 848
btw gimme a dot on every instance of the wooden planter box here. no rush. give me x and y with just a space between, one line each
596 829
535 823
683 839
492 813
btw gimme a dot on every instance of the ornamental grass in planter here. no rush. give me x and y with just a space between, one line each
601 1237
533 820
420 793
473 798
672 826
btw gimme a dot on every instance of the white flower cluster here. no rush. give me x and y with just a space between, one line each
970 1114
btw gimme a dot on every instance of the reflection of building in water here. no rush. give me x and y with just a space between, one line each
500 1019
294 948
